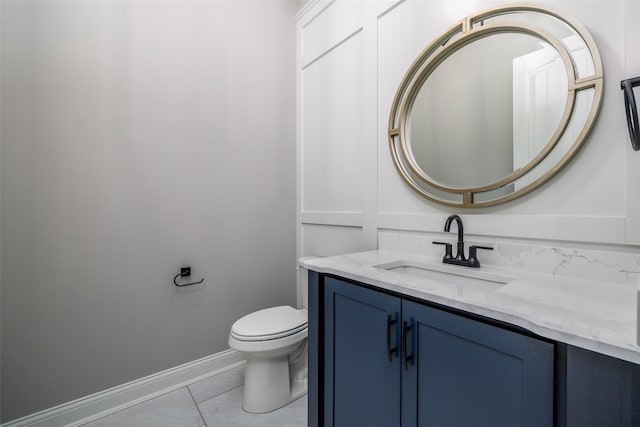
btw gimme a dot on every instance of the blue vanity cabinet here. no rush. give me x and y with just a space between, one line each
463 372
599 390
362 369
388 361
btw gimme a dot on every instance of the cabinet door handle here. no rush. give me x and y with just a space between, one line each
407 358
390 351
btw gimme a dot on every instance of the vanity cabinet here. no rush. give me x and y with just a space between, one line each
599 390
385 360
361 365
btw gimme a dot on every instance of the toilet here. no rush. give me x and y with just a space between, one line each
274 342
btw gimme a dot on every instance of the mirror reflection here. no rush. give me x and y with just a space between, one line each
570 38
476 109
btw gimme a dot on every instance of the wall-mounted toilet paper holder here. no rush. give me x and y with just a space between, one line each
185 272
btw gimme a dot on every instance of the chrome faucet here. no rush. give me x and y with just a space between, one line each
460 259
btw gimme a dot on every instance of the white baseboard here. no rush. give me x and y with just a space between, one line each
89 408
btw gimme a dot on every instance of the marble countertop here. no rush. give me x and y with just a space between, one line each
590 314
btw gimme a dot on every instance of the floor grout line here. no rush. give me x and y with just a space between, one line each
197 406
220 394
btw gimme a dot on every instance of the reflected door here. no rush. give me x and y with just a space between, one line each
539 96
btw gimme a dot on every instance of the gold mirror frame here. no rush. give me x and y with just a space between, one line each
467 31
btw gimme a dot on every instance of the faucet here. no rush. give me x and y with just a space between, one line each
447 227
460 259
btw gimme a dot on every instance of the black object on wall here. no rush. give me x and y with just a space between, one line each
631 109
185 272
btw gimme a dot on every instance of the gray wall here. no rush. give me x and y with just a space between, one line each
138 137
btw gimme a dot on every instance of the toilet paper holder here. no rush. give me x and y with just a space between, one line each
185 272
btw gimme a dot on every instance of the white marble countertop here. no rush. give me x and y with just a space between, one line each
590 314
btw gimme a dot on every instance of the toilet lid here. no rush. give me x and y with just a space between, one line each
270 323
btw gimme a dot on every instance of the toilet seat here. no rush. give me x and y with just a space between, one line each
270 324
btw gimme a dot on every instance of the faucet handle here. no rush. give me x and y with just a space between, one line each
448 251
473 255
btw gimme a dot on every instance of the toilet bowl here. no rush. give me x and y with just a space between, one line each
274 341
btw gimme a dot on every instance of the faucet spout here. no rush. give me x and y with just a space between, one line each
447 227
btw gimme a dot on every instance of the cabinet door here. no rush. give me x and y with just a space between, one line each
462 372
601 390
362 375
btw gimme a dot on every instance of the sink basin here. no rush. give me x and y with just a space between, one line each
446 274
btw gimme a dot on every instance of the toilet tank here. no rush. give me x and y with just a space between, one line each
303 284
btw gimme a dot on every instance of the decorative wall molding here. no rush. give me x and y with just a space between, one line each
309 6
342 18
389 8
98 405
345 219
324 53
596 229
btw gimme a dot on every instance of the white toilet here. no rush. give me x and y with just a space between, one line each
274 341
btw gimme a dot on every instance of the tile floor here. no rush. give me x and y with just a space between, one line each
213 402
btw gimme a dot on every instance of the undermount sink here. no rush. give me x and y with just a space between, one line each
445 273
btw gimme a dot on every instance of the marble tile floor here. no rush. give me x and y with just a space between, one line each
213 402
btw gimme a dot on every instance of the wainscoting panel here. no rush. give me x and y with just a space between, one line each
329 24
333 134
328 240
349 67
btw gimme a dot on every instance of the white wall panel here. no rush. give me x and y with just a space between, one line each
348 219
333 132
326 240
594 229
331 23
403 31
589 201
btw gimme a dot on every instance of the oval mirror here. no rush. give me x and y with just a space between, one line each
471 129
